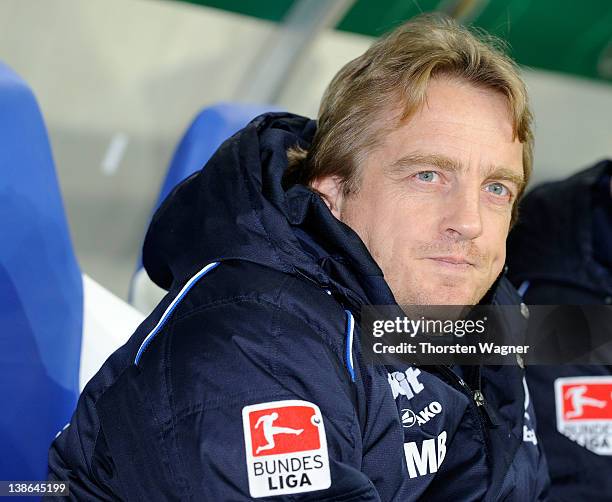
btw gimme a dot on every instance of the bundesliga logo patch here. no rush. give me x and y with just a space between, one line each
584 411
286 448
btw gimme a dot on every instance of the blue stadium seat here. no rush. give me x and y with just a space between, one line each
211 127
41 297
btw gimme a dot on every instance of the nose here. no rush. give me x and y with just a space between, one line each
462 216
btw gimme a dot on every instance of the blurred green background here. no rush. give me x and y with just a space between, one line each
561 35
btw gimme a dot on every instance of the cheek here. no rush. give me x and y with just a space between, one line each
360 215
367 211
497 242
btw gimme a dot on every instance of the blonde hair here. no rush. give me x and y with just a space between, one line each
396 69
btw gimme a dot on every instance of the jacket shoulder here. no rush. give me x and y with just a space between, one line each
265 294
242 329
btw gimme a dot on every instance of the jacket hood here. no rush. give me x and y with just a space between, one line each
553 239
236 208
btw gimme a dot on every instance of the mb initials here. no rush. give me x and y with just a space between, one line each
428 459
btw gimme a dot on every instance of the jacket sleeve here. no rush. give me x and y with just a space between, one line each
532 443
233 402
79 455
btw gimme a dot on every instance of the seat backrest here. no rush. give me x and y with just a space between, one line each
41 304
211 127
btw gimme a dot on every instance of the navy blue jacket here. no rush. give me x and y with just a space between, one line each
247 380
560 253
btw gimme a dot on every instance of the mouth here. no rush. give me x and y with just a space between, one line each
452 262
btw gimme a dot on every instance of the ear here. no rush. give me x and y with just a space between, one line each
330 189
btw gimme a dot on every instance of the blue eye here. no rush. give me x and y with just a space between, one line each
498 189
427 176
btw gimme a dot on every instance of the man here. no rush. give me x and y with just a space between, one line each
404 190
560 253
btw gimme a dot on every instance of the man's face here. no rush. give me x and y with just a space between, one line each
435 200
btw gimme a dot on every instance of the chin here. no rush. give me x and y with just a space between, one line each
437 291
451 296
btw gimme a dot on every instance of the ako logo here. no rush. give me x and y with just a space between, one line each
584 411
286 448
409 417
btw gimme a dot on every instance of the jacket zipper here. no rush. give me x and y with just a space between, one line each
476 397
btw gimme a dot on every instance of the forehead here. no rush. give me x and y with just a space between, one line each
459 120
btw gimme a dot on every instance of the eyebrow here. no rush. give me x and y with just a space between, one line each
448 164
435 160
505 174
